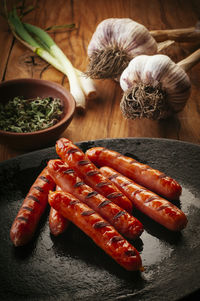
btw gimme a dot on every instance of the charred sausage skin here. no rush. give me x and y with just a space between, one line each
98 229
143 174
66 178
33 206
157 208
90 174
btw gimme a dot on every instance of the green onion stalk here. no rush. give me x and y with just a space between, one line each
40 42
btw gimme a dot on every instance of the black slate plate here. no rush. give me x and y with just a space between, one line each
71 267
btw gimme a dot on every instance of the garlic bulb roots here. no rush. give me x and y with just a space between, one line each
144 101
154 87
114 43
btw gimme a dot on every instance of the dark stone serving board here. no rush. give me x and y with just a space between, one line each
72 267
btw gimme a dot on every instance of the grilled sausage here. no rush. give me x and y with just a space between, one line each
159 209
35 203
90 174
142 174
57 223
66 178
98 229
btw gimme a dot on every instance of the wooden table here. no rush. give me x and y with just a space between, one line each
103 118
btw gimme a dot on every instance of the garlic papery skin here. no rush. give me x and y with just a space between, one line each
154 87
114 43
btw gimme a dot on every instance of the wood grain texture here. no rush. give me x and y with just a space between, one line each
103 118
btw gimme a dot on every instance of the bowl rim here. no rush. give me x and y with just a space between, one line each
68 115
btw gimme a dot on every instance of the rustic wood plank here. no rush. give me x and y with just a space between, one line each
5 46
103 118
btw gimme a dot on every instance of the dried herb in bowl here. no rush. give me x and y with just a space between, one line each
22 115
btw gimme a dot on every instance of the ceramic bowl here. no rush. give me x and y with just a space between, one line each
32 88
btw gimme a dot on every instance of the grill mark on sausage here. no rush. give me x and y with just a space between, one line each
83 162
99 225
91 194
87 213
137 191
44 179
27 208
113 176
130 253
78 184
104 203
114 195
72 150
39 188
32 197
73 202
101 184
22 218
152 198
92 173
125 184
163 207
120 213
115 239
68 171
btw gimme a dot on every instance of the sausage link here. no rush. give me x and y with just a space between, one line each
57 223
66 178
33 206
90 174
98 229
159 209
141 173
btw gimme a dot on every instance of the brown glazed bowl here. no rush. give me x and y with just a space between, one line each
32 88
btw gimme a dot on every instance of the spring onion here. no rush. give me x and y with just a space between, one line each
36 39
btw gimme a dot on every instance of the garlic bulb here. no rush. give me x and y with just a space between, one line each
114 43
154 87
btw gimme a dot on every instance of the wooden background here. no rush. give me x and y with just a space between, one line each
103 118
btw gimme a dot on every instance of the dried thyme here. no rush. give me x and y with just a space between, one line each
29 115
